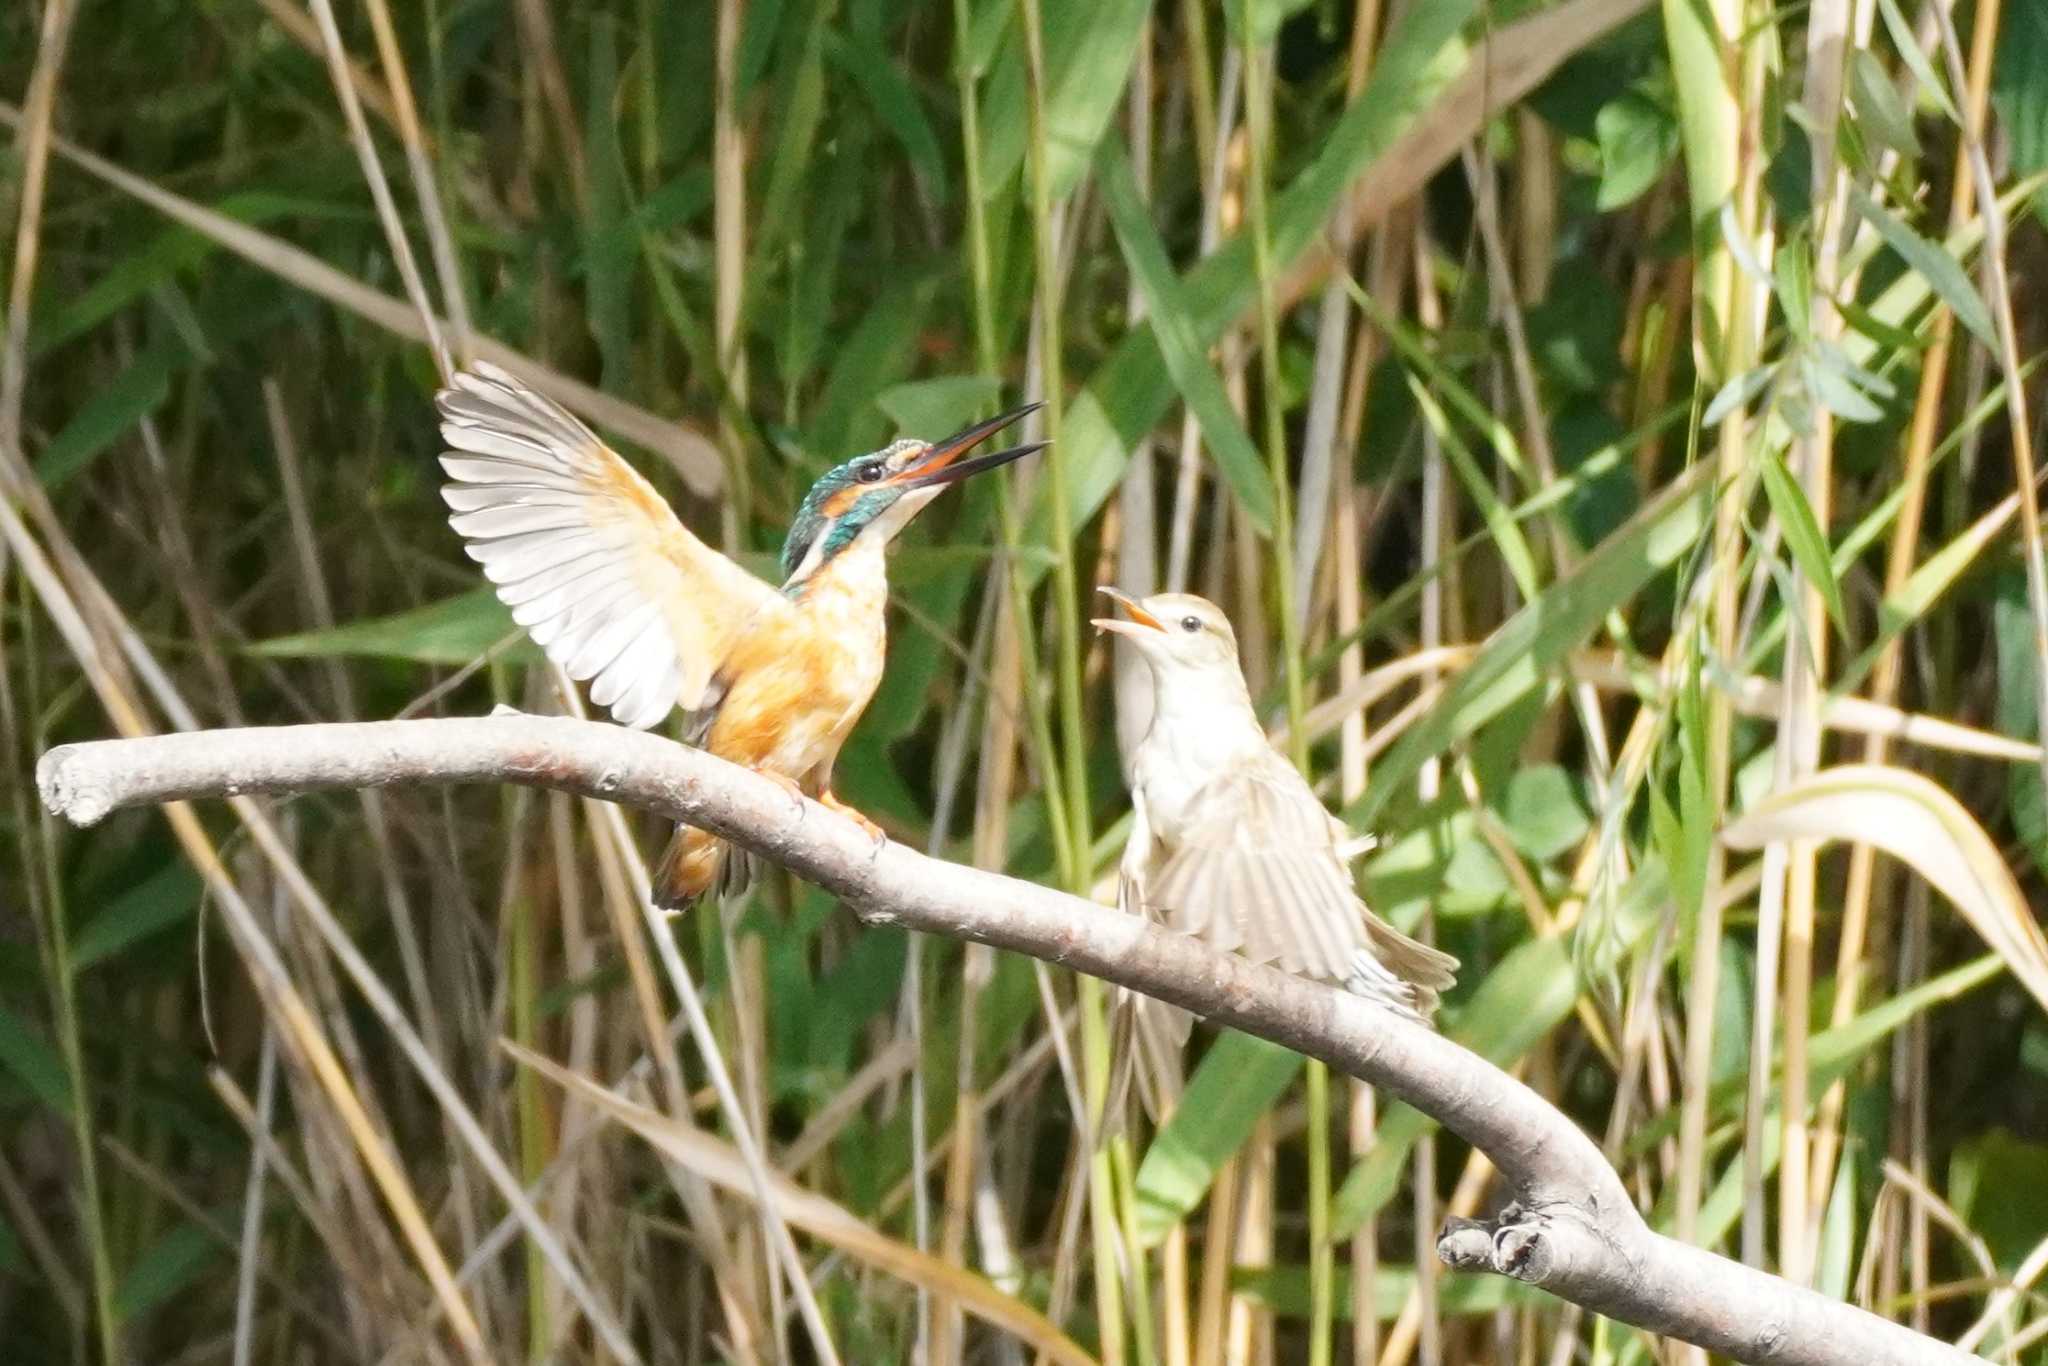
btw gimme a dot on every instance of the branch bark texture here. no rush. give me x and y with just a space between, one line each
1571 1228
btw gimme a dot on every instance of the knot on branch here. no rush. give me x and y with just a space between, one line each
1536 1245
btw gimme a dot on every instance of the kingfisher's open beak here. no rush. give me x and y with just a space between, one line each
941 464
1141 620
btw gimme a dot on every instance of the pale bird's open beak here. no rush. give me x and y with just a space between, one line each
1141 620
937 465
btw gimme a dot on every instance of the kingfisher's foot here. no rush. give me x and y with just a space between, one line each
785 782
875 832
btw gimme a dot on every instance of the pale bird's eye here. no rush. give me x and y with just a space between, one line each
868 473
1191 624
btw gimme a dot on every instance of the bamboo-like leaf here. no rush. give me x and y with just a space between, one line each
610 250
454 631
167 1267
802 97
1908 48
122 402
1932 262
1879 111
158 901
719 1163
1237 1082
931 407
1916 821
1737 393
1803 536
1179 343
1090 46
1509 542
25 1053
875 74
2019 90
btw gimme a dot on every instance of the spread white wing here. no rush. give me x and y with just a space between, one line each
1257 869
590 559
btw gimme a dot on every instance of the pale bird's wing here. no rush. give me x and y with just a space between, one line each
590 559
1256 868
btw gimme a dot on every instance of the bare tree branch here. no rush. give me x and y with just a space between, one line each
1570 1230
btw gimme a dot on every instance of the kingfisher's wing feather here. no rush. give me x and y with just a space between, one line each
590 559
1257 867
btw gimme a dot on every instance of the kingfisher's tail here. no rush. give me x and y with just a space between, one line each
696 862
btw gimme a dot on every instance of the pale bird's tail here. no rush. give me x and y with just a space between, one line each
1146 1039
1403 974
697 862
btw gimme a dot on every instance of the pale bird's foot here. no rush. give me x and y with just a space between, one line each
875 832
785 782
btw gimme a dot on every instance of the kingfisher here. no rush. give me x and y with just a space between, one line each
1230 844
605 579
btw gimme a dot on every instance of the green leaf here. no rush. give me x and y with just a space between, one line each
1836 388
1417 352
932 407
1792 281
1908 48
801 107
875 355
1534 641
1998 1183
1833 1267
2017 710
2019 89
454 631
1803 536
1266 18
1090 47
1236 1083
875 74
609 248
1509 542
24 1052
1879 112
1179 343
1830 1052
1737 393
159 901
166 1268
1638 141
1544 811
116 406
1934 264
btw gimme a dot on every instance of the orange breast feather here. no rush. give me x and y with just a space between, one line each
793 699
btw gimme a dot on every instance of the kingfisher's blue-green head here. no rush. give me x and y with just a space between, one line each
872 497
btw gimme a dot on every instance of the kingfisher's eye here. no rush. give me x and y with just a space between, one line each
1191 624
868 471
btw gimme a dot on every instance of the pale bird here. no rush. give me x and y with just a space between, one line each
1228 841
